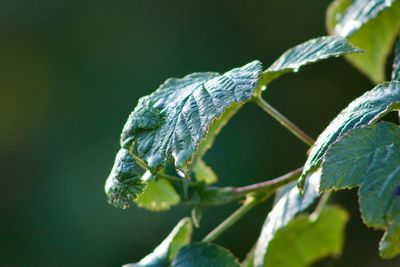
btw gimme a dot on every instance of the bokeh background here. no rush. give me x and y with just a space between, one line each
71 72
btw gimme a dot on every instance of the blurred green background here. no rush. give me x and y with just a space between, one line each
71 72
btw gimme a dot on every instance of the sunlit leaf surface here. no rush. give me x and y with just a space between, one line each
372 25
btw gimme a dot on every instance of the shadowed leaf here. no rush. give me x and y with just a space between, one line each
306 239
369 158
289 204
204 254
366 109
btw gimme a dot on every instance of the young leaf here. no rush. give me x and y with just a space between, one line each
158 195
204 254
173 121
369 24
396 63
290 203
124 183
168 249
306 53
306 240
203 172
369 158
367 109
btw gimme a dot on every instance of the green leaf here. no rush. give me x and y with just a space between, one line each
306 239
172 122
158 195
204 254
168 249
124 183
369 158
249 260
306 53
289 204
369 24
396 63
365 110
203 172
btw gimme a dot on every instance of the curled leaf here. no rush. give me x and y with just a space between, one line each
172 122
124 182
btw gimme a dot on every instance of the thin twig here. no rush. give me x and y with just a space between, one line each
232 219
256 194
320 206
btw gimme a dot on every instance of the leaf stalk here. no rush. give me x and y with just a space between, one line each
249 203
285 122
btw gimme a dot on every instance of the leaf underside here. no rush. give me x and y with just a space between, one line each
364 110
173 121
203 255
371 25
306 240
203 172
289 204
369 158
168 249
306 53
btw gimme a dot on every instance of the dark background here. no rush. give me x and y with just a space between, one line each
71 72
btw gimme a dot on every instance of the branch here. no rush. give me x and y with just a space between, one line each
256 194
